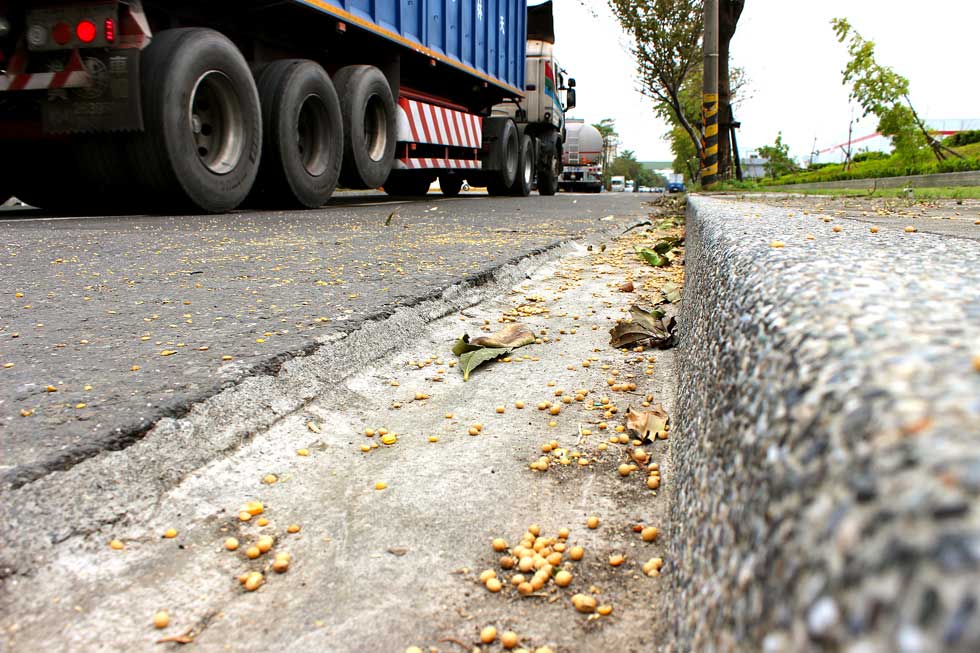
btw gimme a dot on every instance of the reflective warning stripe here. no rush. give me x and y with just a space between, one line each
420 122
41 81
425 164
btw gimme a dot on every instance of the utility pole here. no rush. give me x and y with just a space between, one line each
709 101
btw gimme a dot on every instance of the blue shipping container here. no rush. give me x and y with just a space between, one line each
486 38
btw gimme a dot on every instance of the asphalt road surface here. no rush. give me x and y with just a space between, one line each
109 323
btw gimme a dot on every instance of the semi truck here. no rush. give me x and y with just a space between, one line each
186 105
581 158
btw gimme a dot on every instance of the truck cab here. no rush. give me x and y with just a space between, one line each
540 114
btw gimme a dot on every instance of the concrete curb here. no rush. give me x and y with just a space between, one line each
117 487
826 492
940 180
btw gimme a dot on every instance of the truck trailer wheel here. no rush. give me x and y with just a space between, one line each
203 125
506 153
369 126
302 135
525 168
550 172
408 184
450 184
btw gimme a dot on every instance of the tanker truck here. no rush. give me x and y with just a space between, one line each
581 158
181 105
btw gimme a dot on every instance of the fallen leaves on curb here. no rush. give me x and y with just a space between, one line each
652 257
647 328
176 639
672 292
473 353
647 423
662 254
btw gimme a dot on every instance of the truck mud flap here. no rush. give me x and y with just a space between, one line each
111 103
546 144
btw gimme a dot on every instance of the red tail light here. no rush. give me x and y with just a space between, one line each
85 31
110 30
61 33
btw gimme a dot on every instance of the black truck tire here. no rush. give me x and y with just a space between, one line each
549 173
302 135
46 165
6 176
450 184
525 168
370 121
203 124
508 153
408 184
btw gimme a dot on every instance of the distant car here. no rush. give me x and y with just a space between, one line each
658 189
646 189
676 187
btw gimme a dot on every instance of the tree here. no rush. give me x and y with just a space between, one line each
666 38
729 11
627 166
607 127
685 156
779 161
883 92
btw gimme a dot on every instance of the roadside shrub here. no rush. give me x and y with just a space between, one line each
870 156
877 169
962 138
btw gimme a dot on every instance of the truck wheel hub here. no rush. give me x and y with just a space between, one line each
216 122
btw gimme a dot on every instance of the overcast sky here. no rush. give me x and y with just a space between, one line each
793 61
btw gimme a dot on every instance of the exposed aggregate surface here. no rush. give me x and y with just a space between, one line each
828 432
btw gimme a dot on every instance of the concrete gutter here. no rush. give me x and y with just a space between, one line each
828 451
116 486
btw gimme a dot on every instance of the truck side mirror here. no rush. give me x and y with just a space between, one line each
570 99
571 82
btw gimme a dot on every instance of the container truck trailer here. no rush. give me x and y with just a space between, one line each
169 105
582 158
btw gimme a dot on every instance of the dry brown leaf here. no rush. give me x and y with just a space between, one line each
511 336
647 423
176 639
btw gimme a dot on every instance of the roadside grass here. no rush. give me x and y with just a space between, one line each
946 193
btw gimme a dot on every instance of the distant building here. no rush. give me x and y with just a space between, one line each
754 167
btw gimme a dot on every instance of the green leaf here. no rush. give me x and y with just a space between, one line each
651 257
664 245
470 360
463 345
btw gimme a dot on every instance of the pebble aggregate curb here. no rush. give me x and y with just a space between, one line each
827 457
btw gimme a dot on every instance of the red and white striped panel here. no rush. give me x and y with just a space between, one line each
424 164
39 81
427 123
74 75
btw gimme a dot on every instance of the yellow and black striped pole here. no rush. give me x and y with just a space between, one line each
709 167
709 102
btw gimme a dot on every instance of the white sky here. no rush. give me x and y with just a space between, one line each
794 65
